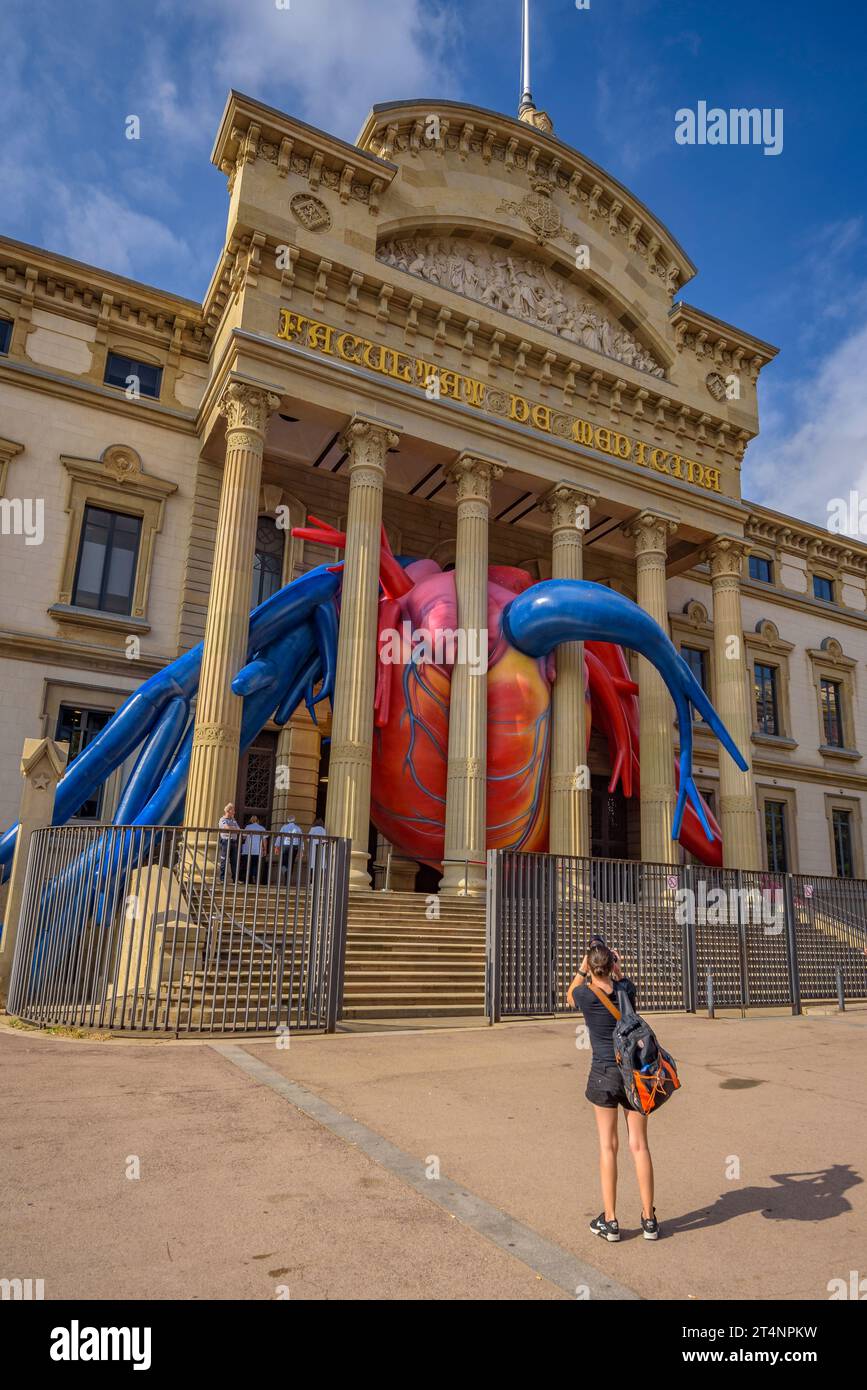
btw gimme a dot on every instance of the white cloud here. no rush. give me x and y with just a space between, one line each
326 61
813 446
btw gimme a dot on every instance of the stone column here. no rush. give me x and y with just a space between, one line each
650 532
569 508
738 816
43 763
216 740
348 805
466 789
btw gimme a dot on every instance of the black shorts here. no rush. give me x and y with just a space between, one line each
605 1086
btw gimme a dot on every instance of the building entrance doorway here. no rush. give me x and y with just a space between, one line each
254 794
609 825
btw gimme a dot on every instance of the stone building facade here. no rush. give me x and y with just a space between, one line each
462 329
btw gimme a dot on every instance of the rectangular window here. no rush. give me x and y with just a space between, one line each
823 588
107 555
761 569
146 377
77 727
843 851
696 660
831 695
767 714
775 836
5 335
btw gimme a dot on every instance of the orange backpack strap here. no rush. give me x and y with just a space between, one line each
603 999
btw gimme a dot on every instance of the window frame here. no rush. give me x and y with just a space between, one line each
824 579
114 483
6 346
768 793
834 802
106 565
762 559
774 672
133 363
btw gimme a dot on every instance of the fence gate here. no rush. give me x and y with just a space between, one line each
762 939
172 930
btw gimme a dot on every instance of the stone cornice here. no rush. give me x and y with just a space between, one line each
250 130
396 128
31 277
815 543
719 343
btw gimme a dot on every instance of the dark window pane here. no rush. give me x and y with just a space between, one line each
823 588
268 563
767 716
5 335
761 569
843 855
696 660
78 727
775 836
832 713
105 575
118 369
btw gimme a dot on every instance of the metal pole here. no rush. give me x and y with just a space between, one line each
710 1011
792 942
841 997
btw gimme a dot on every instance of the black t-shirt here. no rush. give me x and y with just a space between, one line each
600 1022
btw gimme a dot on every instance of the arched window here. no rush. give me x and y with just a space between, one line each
268 564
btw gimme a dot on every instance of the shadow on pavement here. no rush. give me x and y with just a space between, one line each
816 1196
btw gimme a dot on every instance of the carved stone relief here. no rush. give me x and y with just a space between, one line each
523 289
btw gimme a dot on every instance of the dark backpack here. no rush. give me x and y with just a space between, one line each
649 1072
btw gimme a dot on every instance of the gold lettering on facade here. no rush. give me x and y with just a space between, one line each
320 337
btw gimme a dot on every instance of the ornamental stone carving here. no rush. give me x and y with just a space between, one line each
650 533
367 445
522 288
247 408
472 478
311 212
568 506
725 556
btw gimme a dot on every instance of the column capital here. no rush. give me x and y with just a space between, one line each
725 555
650 531
367 442
247 407
563 501
472 475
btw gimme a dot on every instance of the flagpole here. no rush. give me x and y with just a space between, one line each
526 93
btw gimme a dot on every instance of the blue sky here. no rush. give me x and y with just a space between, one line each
779 241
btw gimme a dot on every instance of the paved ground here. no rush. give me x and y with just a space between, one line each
265 1172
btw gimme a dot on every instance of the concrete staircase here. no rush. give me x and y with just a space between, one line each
401 964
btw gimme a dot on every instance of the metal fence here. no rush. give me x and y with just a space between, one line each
756 939
180 931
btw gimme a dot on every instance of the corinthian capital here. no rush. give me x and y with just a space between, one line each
367 443
473 475
725 555
568 505
650 531
247 407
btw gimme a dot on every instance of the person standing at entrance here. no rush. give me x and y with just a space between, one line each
229 841
253 848
288 844
315 833
600 970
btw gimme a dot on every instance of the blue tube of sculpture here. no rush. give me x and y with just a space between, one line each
291 656
574 610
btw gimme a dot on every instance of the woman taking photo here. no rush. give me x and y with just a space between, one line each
599 970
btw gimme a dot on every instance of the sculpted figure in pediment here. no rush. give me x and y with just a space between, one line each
516 285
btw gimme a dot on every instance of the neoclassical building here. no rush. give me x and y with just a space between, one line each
463 329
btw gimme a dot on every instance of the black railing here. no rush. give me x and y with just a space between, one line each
181 931
760 939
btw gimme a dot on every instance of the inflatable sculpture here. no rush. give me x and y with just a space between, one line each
291 657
